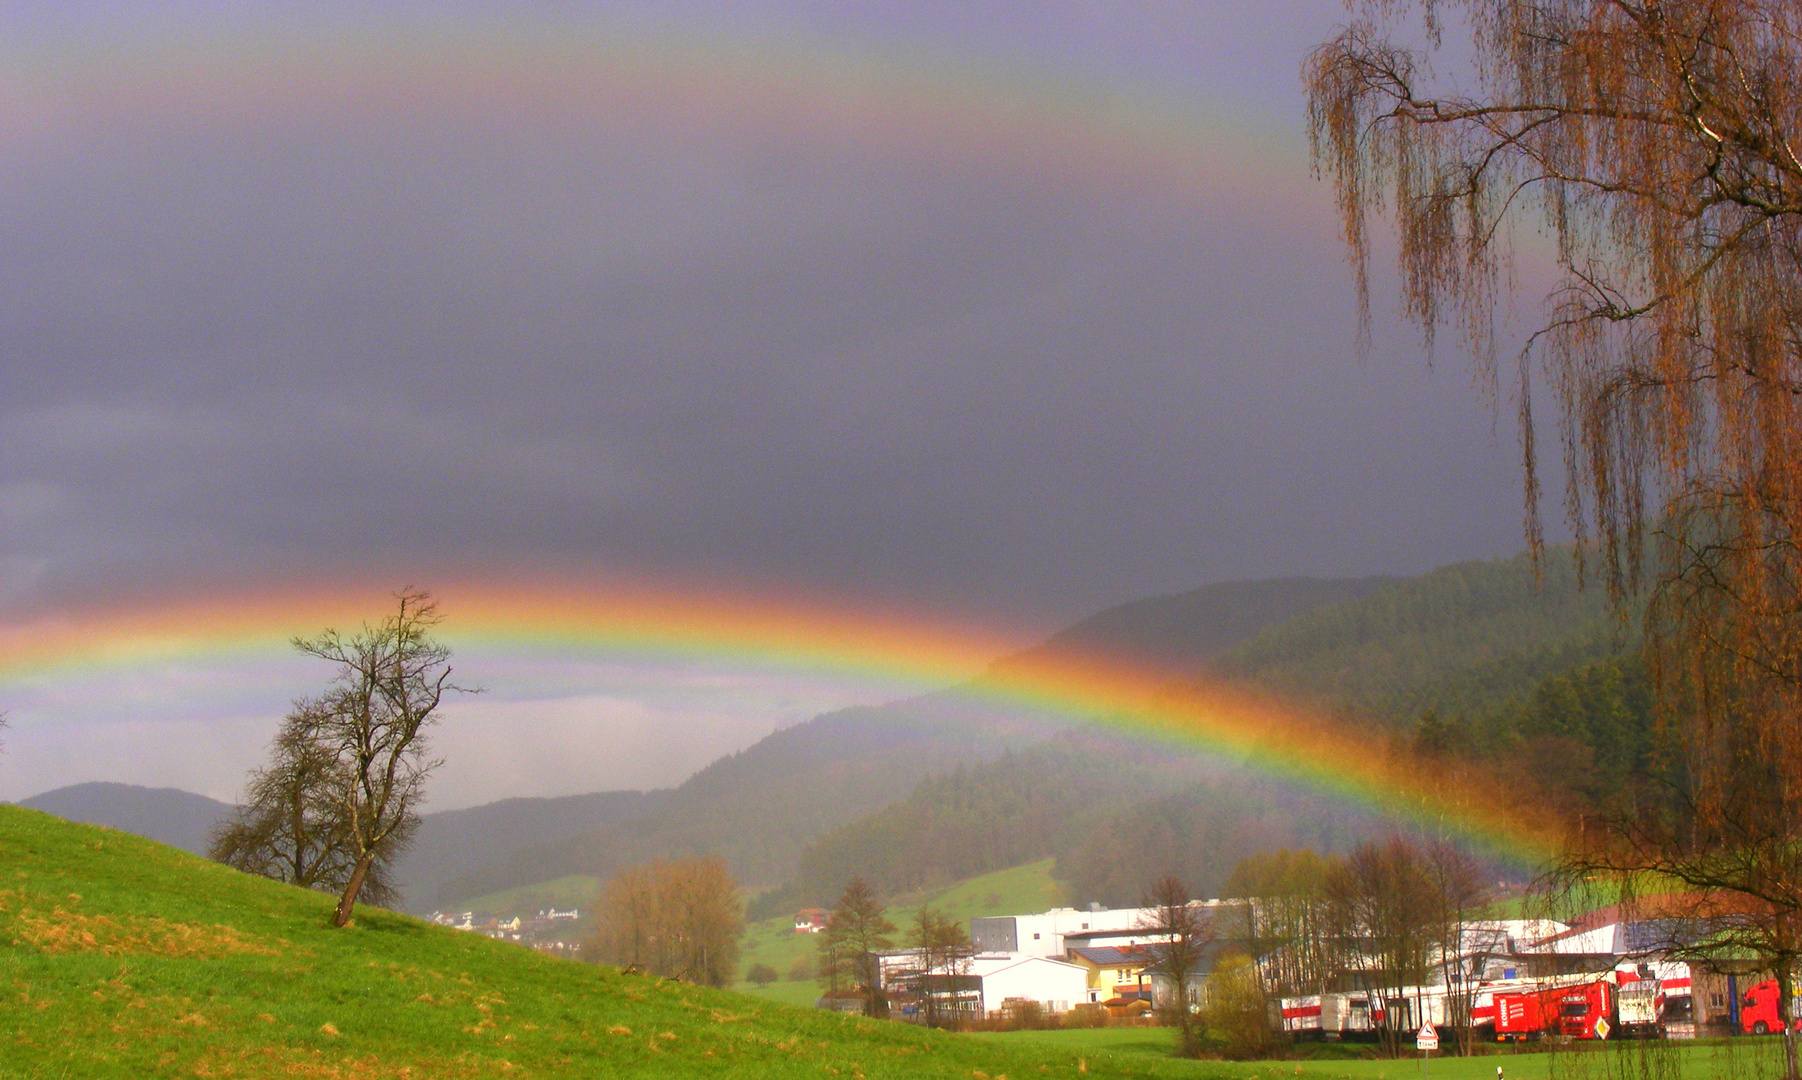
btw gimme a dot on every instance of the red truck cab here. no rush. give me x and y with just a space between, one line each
1587 1011
1758 1012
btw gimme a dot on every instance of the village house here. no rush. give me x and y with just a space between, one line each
1115 973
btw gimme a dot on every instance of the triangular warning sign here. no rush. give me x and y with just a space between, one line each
1427 1032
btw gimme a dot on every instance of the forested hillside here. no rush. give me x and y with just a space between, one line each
762 807
452 843
1024 806
1536 677
759 807
1113 811
1183 633
1462 639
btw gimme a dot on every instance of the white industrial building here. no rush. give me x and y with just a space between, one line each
990 980
1054 933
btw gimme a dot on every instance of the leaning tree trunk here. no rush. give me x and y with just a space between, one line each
348 901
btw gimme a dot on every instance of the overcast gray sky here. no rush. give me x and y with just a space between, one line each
1012 310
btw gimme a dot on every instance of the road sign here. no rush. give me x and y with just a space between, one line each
1602 1029
1426 1038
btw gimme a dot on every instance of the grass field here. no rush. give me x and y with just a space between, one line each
1727 1059
120 957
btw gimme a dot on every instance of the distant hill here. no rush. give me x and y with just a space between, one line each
452 843
1183 633
760 808
447 844
1462 639
167 815
1496 650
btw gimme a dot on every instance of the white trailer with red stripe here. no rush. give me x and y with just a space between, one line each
1301 1017
1329 1016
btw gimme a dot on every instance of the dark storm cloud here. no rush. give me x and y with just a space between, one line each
381 342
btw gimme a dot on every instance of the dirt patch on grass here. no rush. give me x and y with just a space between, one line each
61 930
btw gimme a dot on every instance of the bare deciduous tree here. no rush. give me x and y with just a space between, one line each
1383 911
942 955
680 918
1458 891
1187 931
375 721
291 826
1283 920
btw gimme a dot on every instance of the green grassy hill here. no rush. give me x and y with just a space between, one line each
120 957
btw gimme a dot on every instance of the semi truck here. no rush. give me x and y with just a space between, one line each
1758 1010
1588 1011
1523 1014
1583 1010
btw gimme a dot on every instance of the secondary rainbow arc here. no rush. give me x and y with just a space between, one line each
1033 123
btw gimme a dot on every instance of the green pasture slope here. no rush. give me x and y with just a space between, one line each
120 957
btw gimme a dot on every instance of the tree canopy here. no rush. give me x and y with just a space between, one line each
1655 140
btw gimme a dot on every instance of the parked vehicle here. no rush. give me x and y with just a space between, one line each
1588 1011
1349 1016
1525 1013
1758 1012
1641 1009
1301 1017
1582 1010
1483 1003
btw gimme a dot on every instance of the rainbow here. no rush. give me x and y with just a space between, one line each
1035 127
1268 738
